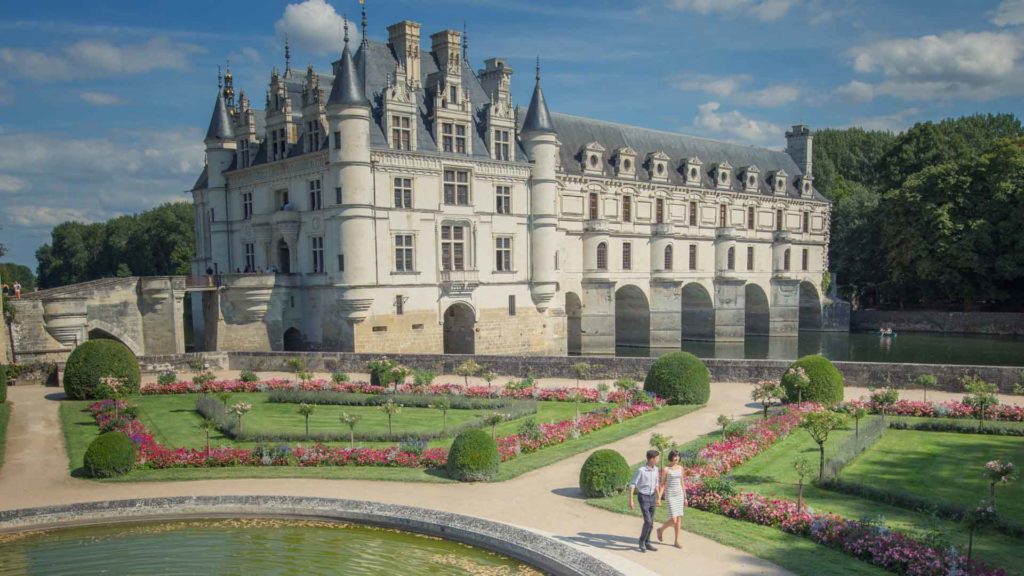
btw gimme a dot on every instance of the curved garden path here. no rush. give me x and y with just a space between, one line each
35 473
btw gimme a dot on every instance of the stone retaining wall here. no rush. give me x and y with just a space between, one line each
538 550
997 323
602 367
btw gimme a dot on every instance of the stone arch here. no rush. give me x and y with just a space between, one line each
98 330
283 255
459 329
810 307
698 310
756 317
632 318
293 340
574 323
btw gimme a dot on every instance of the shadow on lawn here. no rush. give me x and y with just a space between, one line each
569 492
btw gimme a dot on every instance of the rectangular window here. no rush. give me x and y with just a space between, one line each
627 208
456 187
399 305
460 138
337 195
247 205
778 220
316 199
722 216
318 254
337 140
693 256
312 135
403 253
804 260
693 213
250 257
807 221
401 132
750 257
659 211
627 256
511 305
730 259
447 137
341 262
502 145
453 247
593 206
503 254
453 94
750 218
403 193
785 260
503 199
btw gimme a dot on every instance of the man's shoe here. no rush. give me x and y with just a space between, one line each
642 549
649 547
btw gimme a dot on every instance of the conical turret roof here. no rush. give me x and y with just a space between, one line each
220 124
347 89
538 119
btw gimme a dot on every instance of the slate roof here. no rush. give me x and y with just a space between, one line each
220 123
538 117
347 88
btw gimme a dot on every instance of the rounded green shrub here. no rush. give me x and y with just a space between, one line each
679 378
826 382
473 457
110 454
605 473
94 360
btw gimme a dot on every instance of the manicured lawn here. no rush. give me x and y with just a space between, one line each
173 421
771 473
943 467
5 416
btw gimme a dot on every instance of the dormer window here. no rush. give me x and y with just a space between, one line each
750 176
806 187
779 182
657 164
401 132
625 162
593 158
722 174
693 169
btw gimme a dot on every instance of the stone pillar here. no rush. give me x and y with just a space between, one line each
161 317
598 320
729 309
666 315
784 314
783 347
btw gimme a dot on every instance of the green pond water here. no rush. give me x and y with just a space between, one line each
244 547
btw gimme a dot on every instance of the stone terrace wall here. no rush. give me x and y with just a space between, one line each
602 367
1002 323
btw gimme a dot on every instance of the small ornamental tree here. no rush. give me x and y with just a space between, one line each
803 472
723 422
602 391
423 378
444 404
800 381
926 381
488 377
397 375
466 369
207 425
998 472
582 370
493 420
661 443
306 410
391 409
884 399
576 396
857 414
978 519
225 399
350 420
239 410
819 425
339 377
981 397
766 392
115 389
379 368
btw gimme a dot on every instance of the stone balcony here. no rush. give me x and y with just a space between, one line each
782 236
726 233
459 281
662 229
595 226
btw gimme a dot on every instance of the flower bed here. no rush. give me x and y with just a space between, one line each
947 409
116 415
891 550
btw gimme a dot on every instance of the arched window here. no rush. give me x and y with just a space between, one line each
785 260
668 257
602 256
731 258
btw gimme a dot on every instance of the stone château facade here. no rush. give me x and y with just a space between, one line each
403 204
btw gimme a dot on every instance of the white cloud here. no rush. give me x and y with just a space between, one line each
93 58
735 126
10 184
1009 13
895 122
732 87
856 91
314 26
764 10
100 98
33 216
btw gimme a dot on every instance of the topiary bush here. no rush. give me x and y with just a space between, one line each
605 473
826 382
679 378
473 457
94 360
110 454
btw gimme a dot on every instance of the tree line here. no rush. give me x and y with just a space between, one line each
930 218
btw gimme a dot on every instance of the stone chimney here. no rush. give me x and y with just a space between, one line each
496 79
799 145
447 48
404 38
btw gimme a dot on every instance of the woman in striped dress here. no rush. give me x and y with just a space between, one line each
671 488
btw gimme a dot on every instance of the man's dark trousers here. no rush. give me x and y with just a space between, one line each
647 506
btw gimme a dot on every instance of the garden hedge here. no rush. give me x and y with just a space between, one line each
473 457
3 383
826 386
110 454
94 360
605 473
679 378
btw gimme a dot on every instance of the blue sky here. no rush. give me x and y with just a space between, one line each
103 104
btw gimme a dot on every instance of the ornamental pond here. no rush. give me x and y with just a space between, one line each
253 547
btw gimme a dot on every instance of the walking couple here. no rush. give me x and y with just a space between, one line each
652 485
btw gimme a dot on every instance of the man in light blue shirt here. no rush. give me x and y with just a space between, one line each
645 484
